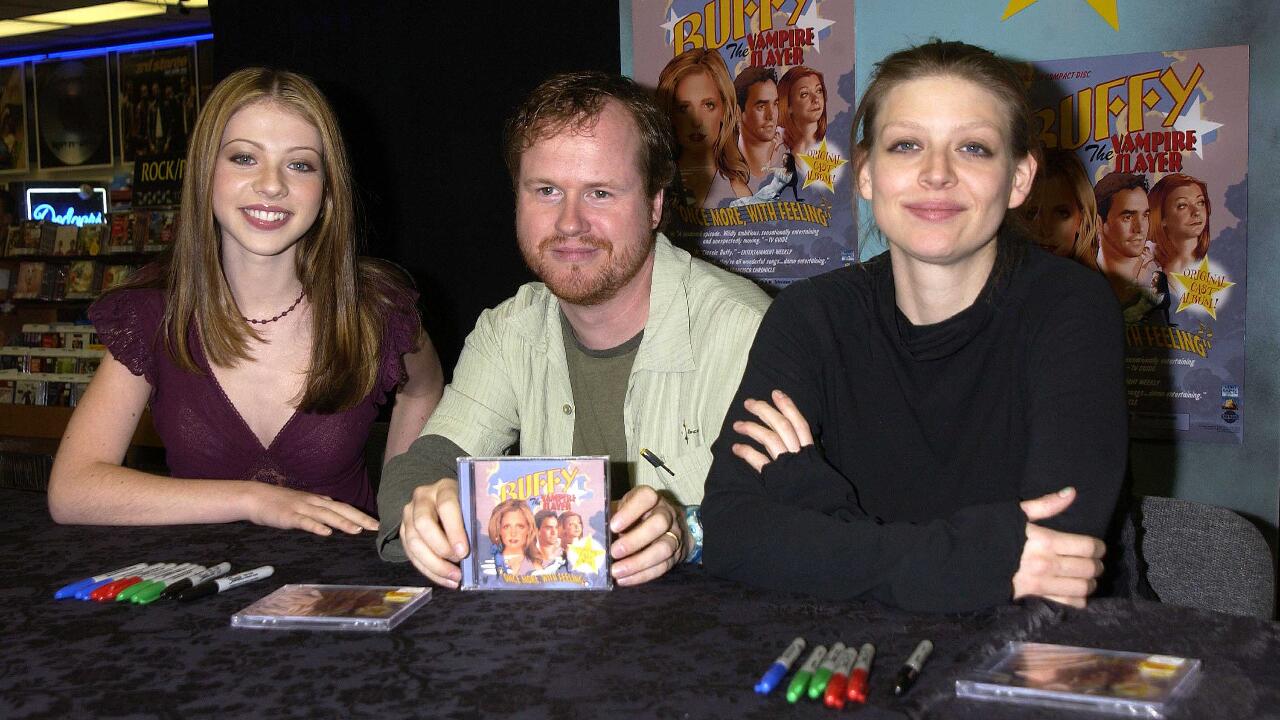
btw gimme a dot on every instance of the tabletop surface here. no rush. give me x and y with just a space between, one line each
685 646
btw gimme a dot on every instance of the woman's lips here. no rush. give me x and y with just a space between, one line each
934 211
265 217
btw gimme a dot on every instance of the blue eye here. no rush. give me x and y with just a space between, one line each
302 166
241 159
904 146
975 149
601 194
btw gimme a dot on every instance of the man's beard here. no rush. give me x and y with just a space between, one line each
573 284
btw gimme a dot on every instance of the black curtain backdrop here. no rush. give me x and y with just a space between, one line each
422 89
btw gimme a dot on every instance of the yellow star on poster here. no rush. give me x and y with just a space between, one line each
1106 8
588 558
821 166
1200 287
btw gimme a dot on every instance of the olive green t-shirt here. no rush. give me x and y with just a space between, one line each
599 380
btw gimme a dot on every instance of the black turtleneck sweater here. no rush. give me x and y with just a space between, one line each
927 437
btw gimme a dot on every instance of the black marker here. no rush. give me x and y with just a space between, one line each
655 461
176 589
911 668
211 587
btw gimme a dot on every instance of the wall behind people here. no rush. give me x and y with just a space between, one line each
1243 477
422 90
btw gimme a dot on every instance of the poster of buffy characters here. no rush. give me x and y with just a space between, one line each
760 98
1144 180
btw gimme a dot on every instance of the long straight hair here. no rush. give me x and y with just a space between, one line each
349 298
790 133
1156 233
729 160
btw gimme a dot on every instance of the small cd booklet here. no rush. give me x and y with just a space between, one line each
1105 681
536 523
372 608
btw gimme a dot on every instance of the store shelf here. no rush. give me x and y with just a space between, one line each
49 422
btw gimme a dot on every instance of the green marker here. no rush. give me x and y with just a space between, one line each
822 675
795 690
149 594
157 571
173 571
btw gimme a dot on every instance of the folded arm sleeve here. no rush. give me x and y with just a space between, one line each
799 526
428 459
1078 418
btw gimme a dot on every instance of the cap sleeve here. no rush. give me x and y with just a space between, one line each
399 337
128 323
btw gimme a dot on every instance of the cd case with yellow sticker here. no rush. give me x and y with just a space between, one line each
1106 681
369 608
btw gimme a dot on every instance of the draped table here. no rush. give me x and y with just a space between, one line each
685 646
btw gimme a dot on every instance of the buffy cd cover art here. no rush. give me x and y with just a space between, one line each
536 523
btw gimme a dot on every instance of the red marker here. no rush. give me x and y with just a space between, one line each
838 684
108 592
861 671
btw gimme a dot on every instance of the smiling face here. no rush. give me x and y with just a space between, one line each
760 117
1123 232
1185 213
939 172
583 218
515 532
807 101
697 112
549 532
268 181
571 529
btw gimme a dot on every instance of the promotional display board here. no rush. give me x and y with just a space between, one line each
73 113
157 101
760 98
1145 179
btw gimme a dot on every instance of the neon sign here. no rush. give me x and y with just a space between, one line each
67 206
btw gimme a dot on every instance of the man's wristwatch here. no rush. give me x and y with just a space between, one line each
693 521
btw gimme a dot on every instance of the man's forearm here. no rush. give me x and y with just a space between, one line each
428 459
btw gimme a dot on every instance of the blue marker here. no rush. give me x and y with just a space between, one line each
69 591
779 668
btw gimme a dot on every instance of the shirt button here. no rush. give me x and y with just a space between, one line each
568 409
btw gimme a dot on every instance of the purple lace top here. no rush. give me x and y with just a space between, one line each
206 437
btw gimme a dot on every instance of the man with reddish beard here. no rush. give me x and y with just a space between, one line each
627 343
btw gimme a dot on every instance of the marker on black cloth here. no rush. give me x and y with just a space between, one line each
211 587
800 683
837 686
821 676
861 672
779 668
176 589
69 591
655 461
911 668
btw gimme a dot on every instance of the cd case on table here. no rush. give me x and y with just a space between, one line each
372 608
535 523
1106 681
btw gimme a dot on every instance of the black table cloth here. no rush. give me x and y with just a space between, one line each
686 646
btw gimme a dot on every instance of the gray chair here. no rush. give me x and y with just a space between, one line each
1207 557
